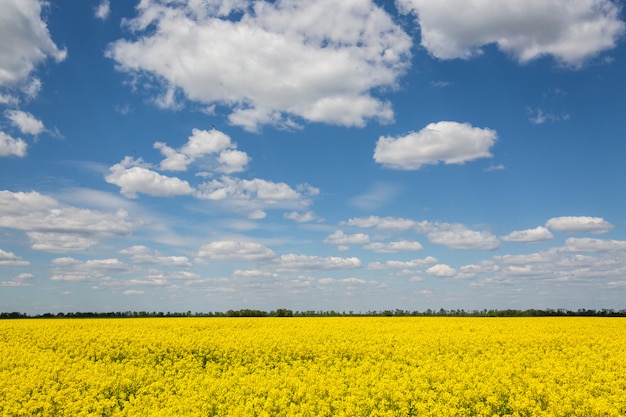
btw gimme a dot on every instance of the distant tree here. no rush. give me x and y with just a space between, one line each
283 312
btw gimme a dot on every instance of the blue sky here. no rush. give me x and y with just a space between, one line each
208 155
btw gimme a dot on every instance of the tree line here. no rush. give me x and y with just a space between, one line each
284 312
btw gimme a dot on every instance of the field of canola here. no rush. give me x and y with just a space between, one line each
313 367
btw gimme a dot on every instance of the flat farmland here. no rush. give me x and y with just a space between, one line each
343 366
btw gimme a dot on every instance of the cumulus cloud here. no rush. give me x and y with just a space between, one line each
26 41
96 270
304 262
143 255
20 280
313 60
538 234
338 237
392 264
579 260
386 223
458 236
394 247
25 122
571 32
441 271
251 194
254 273
217 154
202 143
579 224
232 160
483 266
9 258
56 227
60 242
449 142
10 146
451 235
235 251
134 176
594 245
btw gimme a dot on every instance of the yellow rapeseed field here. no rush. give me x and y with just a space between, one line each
358 366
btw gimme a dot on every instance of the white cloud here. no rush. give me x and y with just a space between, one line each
9 258
103 10
415 263
393 247
538 116
386 223
32 87
492 168
143 255
573 244
483 266
538 257
450 142
8 99
441 270
451 235
26 41
66 260
26 122
309 216
99 270
270 61
60 242
20 280
217 154
338 237
235 251
133 176
254 273
232 161
251 194
571 32
458 236
579 224
200 144
579 260
538 234
12 147
304 262
55 227
257 215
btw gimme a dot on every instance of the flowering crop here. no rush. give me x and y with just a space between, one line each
313 367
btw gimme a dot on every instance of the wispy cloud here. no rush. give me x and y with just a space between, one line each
538 116
103 10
